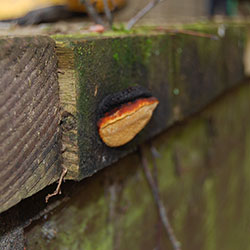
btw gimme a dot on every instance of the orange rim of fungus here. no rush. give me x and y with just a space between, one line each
124 110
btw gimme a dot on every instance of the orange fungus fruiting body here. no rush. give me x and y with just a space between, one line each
121 125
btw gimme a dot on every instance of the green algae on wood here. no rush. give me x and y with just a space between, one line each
182 71
187 78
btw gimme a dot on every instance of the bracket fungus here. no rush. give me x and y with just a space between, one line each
124 114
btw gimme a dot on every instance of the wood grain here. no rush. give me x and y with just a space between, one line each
68 95
29 111
47 122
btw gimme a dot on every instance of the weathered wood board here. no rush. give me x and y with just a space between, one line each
184 72
49 119
29 112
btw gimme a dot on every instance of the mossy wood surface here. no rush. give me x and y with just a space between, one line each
203 176
185 72
29 117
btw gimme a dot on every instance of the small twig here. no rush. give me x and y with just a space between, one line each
92 12
155 155
108 13
142 13
189 32
159 203
57 191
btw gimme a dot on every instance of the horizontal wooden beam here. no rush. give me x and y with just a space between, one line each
184 71
49 120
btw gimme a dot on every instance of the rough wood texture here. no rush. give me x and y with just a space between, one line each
67 78
29 111
184 72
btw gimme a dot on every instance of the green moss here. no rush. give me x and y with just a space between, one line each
147 49
116 57
118 30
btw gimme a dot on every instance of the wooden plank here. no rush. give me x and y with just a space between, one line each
184 72
29 111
